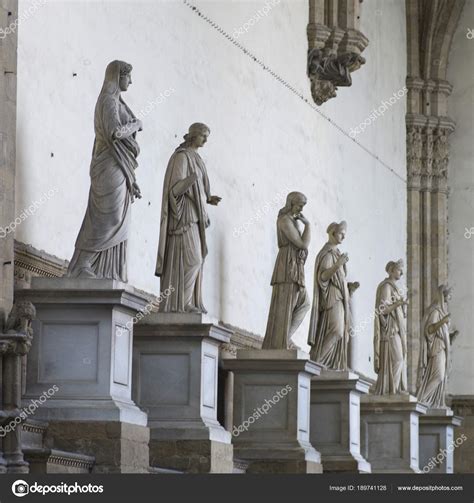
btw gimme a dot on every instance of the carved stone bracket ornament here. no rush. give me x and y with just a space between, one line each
334 46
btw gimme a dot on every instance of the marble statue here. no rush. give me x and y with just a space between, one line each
290 302
182 246
435 351
390 336
101 246
330 323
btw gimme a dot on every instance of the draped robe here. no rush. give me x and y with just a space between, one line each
435 352
390 341
330 314
289 303
101 246
182 246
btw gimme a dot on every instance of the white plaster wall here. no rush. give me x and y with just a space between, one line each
263 138
461 203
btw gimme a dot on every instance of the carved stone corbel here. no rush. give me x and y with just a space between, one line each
334 46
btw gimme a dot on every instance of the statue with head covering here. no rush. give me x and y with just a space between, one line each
290 302
182 246
330 323
435 351
101 246
390 337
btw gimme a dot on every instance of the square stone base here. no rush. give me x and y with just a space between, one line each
389 431
437 442
176 366
117 447
335 420
192 456
271 411
81 353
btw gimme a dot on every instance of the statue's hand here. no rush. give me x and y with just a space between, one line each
136 191
343 259
139 123
376 365
353 286
214 200
302 219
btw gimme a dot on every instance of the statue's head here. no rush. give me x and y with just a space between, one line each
445 293
295 202
117 77
125 78
395 269
337 232
197 135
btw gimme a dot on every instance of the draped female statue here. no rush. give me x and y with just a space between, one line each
101 246
290 302
435 351
390 337
330 315
182 246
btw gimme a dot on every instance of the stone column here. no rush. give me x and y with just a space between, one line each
430 28
8 77
13 346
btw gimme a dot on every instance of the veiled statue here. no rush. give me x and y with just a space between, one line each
330 324
435 351
390 336
290 302
101 246
182 246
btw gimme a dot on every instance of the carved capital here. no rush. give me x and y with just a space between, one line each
17 344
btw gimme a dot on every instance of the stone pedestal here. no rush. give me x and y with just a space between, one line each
437 442
389 430
175 365
271 423
81 361
335 420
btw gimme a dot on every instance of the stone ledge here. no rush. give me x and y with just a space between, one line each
42 458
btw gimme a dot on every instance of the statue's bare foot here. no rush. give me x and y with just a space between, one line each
192 309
